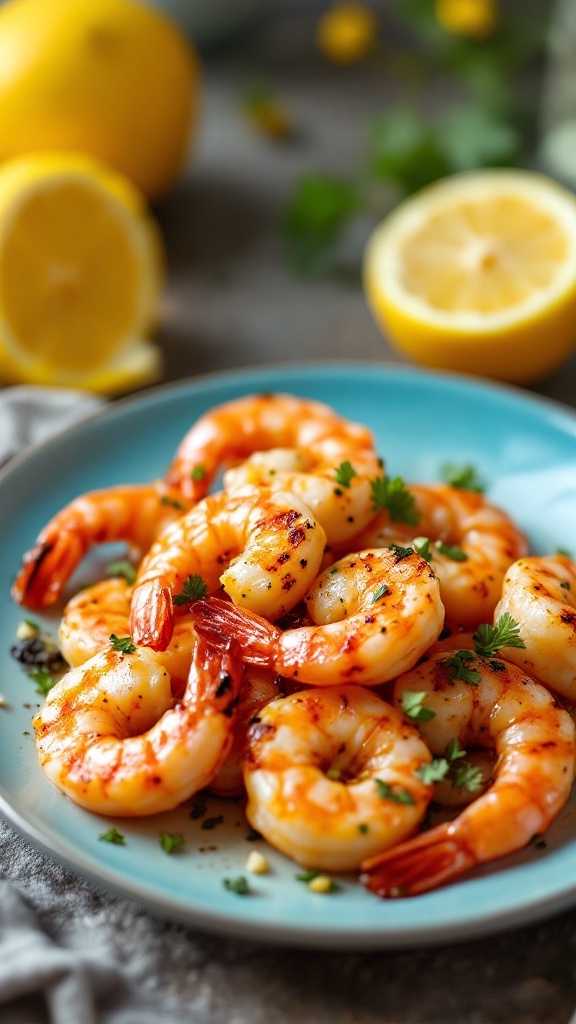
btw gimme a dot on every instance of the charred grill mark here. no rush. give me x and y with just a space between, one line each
296 537
288 582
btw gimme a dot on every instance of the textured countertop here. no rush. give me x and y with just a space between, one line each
232 301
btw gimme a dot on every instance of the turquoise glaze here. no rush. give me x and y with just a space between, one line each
523 447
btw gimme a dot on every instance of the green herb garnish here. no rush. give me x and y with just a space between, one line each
391 495
113 836
463 477
397 794
122 644
193 588
238 885
345 473
380 592
412 704
451 551
459 670
122 568
490 639
171 841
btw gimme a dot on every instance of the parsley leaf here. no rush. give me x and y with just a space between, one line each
466 776
451 551
397 794
345 473
193 588
458 669
400 552
122 568
165 500
421 546
238 885
464 477
454 750
306 876
43 679
123 644
412 704
391 495
171 841
490 639
198 473
435 771
317 213
113 836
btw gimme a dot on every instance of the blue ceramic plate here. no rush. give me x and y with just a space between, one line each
523 447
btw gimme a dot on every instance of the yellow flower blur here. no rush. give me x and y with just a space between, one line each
474 19
347 32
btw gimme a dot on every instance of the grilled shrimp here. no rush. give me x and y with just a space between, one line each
264 548
332 776
94 614
233 431
135 513
501 709
477 544
540 594
337 489
375 614
112 738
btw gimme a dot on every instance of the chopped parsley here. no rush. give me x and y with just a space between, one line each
412 704
113 836
198 473
451 551
397 794
165 500
421 546
459 670
435 771
122 568
43 679
490 639
380 592
345 473
391 495
193 588
239 885
306 876
464 477
400 552
466 776
171 841
123 644
198 806
210 823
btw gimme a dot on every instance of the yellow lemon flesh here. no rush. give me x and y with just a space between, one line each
477 273
80 275
111 78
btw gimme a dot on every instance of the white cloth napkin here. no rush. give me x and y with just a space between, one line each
31 414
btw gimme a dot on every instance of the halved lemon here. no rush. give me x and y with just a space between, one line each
80 275
477 273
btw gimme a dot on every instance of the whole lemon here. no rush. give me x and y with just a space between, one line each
111 78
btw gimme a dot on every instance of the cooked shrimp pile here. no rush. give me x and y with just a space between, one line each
346 650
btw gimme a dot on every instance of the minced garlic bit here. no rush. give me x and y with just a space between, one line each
257 863
321 883
26 630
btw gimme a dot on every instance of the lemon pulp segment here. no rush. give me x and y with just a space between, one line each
483 257
69 277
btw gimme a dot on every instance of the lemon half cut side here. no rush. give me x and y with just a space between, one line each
80 275
477 273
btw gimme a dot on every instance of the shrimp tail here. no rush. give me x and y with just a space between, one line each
46 567
216 676
219 620
418 865
152 615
